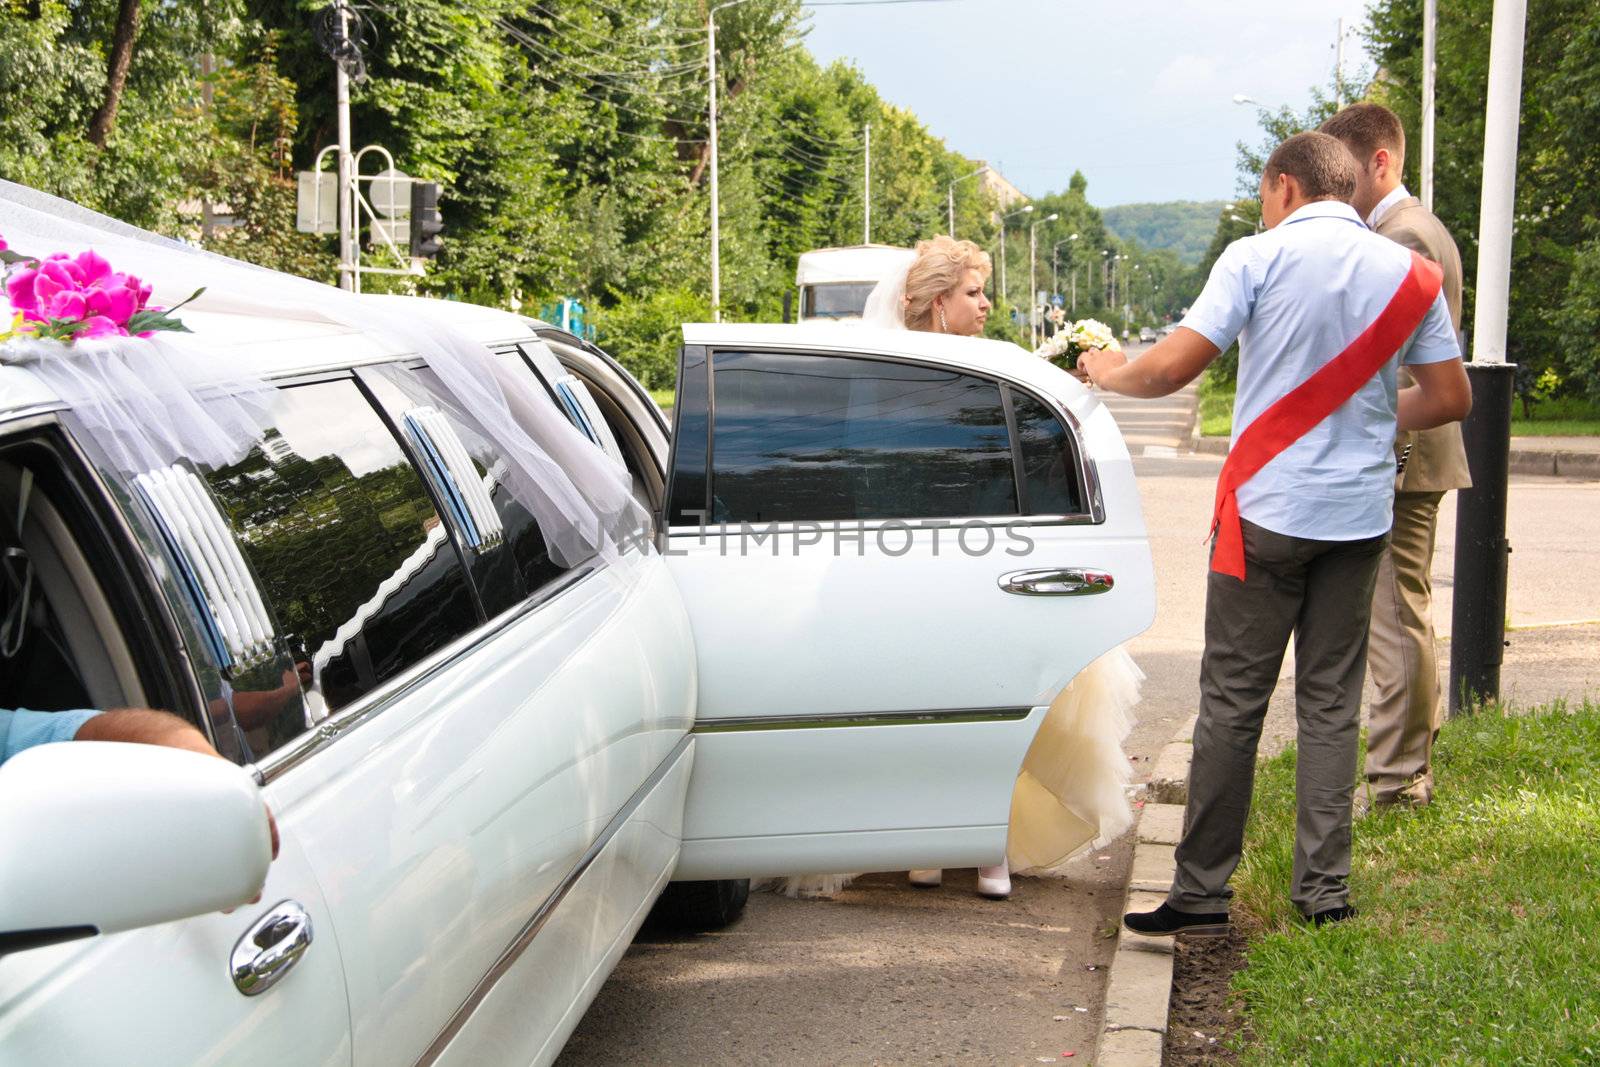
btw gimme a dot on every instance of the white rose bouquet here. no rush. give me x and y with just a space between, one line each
1064 348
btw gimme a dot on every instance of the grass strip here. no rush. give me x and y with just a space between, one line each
1216 406
1479 934
1563 417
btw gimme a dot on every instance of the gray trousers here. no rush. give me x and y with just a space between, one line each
1321 593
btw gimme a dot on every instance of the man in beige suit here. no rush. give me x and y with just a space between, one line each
1401 661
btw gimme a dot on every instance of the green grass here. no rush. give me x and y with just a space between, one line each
1480 915
1566 417
663 397
1216 407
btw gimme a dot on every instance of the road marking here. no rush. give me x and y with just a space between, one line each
1160 452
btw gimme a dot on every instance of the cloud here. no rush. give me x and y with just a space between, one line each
1186 77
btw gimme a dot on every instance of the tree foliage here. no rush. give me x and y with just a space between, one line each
571 137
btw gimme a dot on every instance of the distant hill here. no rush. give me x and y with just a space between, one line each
1185 226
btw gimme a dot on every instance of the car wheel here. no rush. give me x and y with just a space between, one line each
701 905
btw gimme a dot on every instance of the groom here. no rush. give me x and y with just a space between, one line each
1323 310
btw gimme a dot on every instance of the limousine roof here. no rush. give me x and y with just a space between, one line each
277 346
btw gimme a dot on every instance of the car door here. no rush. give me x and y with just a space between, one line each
482 716
108 610
894 550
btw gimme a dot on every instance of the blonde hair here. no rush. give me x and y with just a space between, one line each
941 266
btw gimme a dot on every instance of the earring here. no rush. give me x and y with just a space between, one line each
944 327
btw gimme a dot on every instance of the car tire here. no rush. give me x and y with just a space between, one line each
701 905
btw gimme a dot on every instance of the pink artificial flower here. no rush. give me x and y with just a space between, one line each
99 326
3 245
78 288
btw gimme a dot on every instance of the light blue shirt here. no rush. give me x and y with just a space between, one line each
22 728
1294 298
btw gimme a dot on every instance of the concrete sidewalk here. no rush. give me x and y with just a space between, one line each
1566 457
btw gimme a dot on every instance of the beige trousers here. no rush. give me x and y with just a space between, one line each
1405 712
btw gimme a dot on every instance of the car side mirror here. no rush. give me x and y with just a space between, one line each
98 837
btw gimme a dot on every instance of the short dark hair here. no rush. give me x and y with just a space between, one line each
1321 164
1365 128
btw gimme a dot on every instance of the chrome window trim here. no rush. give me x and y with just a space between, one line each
840 720
376 700
1093 498
536 922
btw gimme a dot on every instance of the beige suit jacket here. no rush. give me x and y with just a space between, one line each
1438 460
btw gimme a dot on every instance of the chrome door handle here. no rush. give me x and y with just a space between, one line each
1056 581
270 948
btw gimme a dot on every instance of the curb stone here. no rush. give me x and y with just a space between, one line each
1139 988
1547 462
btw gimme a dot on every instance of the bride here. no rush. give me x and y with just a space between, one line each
1071 793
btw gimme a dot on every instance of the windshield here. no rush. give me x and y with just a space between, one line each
835 300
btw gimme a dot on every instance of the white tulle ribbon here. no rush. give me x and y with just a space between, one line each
149 404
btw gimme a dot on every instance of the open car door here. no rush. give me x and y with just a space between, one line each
895 548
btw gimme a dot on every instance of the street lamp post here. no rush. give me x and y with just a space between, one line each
1478 614
1033 284
950 194
1055 276
716 203
1026 209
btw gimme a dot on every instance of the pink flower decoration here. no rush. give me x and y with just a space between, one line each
3 245
81 288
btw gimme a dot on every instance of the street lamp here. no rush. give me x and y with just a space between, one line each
950 194
1033 285
716 203
1026 209
1055 275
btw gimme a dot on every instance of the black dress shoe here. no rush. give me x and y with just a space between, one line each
1334 915
1166 921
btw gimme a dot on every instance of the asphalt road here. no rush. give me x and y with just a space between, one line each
886 974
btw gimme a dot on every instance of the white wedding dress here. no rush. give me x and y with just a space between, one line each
1072 792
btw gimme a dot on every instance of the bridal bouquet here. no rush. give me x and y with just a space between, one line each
65 298
1064 348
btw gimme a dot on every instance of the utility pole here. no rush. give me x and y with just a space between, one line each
716 203
866 190
1478 613
1338 66
1430 36
1002 258
348 278
208 67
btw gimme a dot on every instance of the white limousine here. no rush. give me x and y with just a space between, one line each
875 557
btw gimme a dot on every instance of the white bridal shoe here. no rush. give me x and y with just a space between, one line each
925 879
995 882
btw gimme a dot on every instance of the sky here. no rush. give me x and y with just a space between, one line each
1137 94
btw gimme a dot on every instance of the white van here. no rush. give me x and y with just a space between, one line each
877 554
835 282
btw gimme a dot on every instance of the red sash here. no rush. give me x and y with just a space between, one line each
1313 400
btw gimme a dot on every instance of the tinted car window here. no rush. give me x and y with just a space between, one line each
345 540
1044 450
510 559
826 437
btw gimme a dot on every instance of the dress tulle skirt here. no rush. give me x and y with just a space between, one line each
1072 793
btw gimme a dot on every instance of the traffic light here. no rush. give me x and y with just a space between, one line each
426 221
